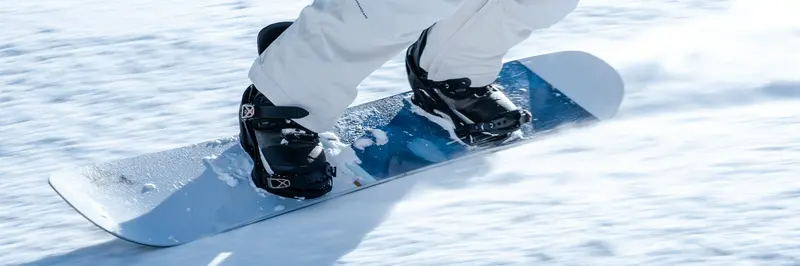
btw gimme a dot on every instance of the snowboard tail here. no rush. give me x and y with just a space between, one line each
181 195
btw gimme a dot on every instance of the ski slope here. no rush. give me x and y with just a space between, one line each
701 167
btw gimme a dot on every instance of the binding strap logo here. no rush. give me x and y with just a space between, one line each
278 183
248 111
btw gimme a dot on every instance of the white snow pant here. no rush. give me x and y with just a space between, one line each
319 61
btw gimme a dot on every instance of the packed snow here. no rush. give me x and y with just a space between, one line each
700 167
378 137
363 143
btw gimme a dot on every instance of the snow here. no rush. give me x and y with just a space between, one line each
380 136
441 119
148 187
363 143
700 167
341 154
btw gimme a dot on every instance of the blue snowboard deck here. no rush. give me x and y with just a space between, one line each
177 196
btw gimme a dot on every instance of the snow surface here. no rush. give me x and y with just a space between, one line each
700 168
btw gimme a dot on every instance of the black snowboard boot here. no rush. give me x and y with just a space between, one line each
288 159
481 115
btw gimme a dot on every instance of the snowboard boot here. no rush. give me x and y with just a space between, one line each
481 115
288 159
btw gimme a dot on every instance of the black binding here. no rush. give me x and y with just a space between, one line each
315 180
425 97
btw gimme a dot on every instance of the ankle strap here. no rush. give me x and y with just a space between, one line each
271 117
250 111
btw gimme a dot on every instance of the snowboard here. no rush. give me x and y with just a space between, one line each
177 196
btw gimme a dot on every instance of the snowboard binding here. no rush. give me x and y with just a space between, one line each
288 159
481 115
